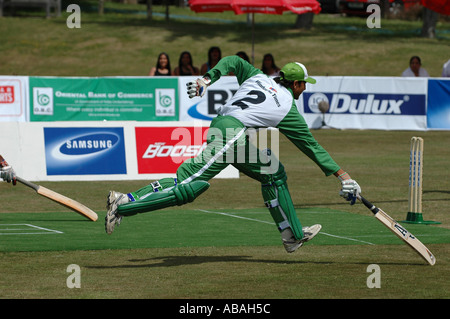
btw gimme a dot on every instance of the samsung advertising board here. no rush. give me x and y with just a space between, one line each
84 150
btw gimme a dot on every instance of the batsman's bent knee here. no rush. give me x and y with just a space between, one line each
177 195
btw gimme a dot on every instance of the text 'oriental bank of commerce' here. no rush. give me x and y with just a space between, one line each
97 99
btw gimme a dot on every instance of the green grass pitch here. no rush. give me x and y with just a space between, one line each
195 228
214 253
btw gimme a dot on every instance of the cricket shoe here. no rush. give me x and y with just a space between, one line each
291 244
112 218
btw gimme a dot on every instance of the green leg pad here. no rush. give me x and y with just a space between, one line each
278 199
178 195
152 187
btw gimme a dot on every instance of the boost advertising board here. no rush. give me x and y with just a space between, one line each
161 150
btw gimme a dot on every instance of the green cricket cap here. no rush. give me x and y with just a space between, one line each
296 71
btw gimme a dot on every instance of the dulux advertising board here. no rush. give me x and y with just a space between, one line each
354 102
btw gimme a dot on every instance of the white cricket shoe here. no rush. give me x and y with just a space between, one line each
112 218
291 244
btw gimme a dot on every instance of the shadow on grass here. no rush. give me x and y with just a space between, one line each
174 261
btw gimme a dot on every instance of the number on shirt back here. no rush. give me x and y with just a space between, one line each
254 97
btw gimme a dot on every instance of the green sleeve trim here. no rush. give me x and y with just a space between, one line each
241 68
294 127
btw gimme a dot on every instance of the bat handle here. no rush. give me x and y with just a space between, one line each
27 183
368 204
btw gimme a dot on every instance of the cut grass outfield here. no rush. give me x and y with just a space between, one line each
127 44
214 254
196 251
194 228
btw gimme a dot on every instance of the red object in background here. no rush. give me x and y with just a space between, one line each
6 94
161 150
439 6
255 6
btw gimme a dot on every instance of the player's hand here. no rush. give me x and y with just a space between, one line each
7 174
350 190
198 88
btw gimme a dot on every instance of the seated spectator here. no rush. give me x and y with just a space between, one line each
243 55
269 67
214 56
162 65
185 66
415 68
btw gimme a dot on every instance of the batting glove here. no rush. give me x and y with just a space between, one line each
7 174
350 190
198 88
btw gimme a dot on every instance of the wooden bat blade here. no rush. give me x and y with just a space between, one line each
61 199
406 236
56 197
400 231
68 202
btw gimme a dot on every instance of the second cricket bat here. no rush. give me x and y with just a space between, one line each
61 199
56 197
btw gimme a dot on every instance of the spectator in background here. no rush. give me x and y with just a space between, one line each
214 56
415 68
446 69
269 67
185 66
162 65
243 55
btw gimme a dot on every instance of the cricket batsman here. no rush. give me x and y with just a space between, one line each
260 102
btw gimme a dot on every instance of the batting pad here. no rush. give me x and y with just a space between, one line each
177 195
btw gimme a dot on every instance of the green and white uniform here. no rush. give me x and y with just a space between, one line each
258 103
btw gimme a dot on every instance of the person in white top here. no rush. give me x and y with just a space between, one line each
415 68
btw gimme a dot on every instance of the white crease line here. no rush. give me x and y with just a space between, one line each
46 230
265 222
348 238
231 215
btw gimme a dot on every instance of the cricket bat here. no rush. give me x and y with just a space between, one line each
400 231
56 197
